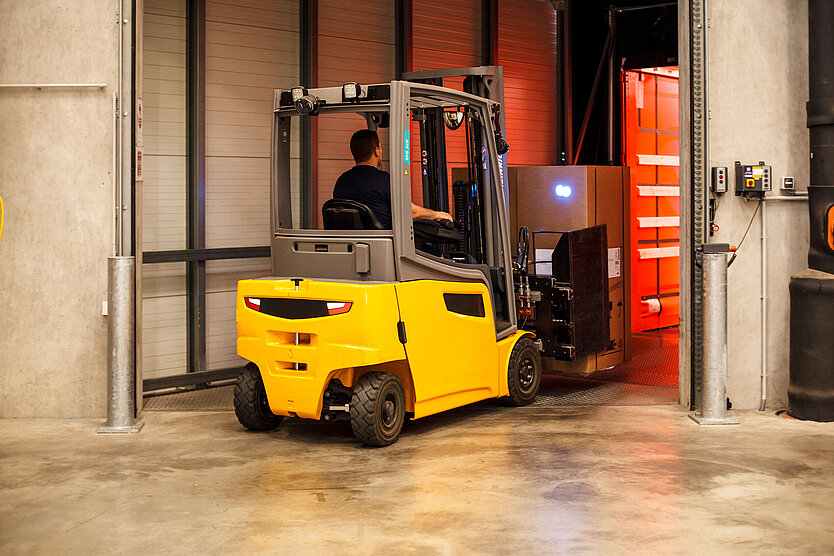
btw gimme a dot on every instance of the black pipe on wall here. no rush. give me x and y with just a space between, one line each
811 387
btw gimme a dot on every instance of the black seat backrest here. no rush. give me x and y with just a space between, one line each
344 214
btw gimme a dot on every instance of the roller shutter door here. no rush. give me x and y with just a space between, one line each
527 51
252 48
353 45
164 350
444 35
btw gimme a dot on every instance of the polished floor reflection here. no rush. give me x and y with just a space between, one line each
481 479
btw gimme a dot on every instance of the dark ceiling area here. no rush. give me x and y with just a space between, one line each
645 36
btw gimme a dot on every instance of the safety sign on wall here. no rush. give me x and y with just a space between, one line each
139 140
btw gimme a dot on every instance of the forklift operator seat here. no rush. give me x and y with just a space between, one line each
344 214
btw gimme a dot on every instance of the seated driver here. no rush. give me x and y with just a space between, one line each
368 185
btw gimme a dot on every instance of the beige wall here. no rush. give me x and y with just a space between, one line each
55 180
758 86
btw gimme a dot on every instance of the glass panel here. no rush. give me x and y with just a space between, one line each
333 158
442 135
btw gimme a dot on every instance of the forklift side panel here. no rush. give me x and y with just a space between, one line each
296 356
450 343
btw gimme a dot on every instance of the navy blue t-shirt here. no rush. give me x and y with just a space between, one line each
369 186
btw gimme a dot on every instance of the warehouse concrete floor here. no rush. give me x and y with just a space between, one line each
481 479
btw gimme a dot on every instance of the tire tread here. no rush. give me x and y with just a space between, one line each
363 406
248 387
516 397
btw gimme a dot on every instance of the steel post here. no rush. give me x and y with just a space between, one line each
714 392
120 347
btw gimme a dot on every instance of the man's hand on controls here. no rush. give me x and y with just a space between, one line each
422 212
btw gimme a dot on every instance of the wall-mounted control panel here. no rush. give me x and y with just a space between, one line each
719 179
753 180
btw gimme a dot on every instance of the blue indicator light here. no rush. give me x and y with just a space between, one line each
562 190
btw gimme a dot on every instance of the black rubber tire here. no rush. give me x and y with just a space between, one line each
251 406
524 373
377 409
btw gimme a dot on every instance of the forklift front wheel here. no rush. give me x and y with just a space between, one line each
377 409
251 405
524 375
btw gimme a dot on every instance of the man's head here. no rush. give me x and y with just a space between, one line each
364 145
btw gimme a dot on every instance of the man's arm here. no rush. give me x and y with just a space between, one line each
422 212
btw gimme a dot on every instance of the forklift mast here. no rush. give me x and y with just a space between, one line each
483 81
567 311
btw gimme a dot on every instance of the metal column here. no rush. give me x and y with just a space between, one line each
121 267
121 356
714 400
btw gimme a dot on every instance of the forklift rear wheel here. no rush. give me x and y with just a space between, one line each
377 409
251 405
524 375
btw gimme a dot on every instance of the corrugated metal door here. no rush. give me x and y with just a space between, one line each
164 350
444 35
527 51
251 49
353 45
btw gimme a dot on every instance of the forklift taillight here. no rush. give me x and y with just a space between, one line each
338 307
284 308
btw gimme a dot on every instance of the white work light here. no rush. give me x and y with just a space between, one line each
563 191
351 92
297 93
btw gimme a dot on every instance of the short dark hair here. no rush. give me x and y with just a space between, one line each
362 144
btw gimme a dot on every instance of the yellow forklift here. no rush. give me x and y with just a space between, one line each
378 325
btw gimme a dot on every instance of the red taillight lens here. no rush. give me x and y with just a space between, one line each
338 307
253 303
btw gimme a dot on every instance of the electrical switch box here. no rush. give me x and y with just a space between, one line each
787 183
752 180
719 179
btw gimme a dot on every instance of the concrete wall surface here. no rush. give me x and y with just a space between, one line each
757 89
56 148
